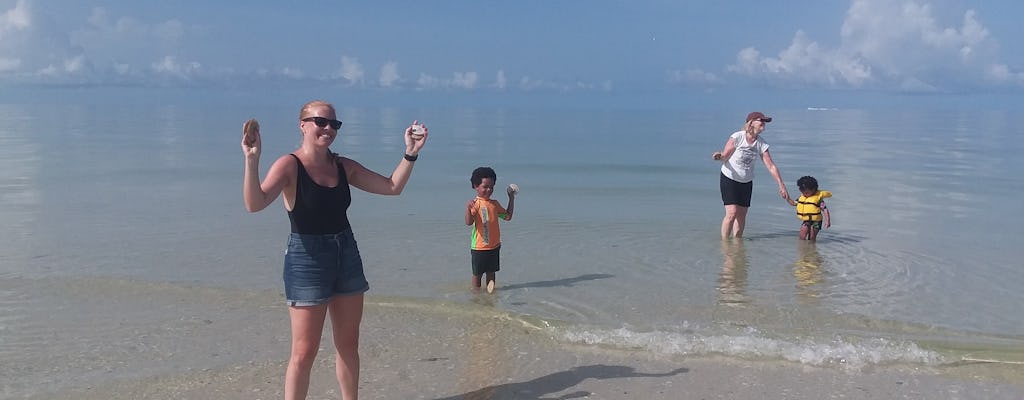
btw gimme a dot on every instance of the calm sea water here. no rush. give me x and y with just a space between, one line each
615 237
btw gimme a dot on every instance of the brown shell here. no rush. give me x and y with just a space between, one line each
251 129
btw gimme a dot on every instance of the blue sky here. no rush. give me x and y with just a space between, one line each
606 47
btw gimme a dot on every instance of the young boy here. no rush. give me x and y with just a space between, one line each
483 213
810 207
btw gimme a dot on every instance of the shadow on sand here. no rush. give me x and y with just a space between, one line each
567 282
536 388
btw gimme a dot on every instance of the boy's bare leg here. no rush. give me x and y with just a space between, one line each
813 235
476 281
804 231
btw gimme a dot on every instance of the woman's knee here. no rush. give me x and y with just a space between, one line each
304 353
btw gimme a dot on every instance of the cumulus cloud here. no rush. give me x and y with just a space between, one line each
530 84
694 77
103 48
389 74
350 70
1000 73
465 80
292 72
15 19
888 43
459 80
169 66
123 44
500 81
805 61
34 48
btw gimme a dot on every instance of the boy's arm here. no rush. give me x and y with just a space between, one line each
791 202
511 206
828 217
469 212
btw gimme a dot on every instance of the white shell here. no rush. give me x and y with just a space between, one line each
417 131
514 187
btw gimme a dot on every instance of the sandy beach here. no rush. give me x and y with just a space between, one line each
192 342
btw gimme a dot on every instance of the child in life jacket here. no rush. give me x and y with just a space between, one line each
810 207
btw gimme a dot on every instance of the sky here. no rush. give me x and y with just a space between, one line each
595 48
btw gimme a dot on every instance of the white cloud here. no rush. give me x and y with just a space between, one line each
806 62
694 77
351 70
15 19
109 41
884 43
293 73
389 74
499 80
527 83
1001 73
169 66
9 64
33 47
459 80
465 80
37 49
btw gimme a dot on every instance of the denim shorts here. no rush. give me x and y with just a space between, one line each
318 267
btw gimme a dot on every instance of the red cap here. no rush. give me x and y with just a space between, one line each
758 115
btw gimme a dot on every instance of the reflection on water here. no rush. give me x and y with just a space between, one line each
808 270
732 283
488 357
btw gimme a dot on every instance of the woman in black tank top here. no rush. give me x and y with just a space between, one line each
315 183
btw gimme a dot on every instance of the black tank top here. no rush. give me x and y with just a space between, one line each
320 210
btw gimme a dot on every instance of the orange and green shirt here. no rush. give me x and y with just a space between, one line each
486 234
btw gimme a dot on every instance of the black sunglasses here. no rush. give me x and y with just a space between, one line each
323 122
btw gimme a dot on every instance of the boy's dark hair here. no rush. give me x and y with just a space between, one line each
807 183
480 173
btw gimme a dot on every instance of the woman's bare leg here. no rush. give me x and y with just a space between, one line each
346 316
728 220
740 217
307 326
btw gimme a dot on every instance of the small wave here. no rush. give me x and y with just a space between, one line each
842 352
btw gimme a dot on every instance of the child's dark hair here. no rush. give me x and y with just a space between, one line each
807 183
480 173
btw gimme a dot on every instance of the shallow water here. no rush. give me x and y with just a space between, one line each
615 237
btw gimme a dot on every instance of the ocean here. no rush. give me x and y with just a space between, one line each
614 243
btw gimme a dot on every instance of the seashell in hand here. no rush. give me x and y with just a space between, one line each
417 131
250 129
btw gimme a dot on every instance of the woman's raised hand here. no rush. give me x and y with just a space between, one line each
415 136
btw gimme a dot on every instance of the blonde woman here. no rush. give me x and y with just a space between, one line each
737 178
323 272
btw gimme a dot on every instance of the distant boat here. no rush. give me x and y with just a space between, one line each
821 109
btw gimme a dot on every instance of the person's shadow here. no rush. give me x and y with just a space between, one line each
535 389
567 282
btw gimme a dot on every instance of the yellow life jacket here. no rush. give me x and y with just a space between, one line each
808 208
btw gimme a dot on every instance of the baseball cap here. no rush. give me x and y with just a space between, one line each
758 115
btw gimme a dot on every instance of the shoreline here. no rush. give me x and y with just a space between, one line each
493 358
238 350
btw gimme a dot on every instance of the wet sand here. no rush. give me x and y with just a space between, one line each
104 339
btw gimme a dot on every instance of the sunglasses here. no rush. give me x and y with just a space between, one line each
323 122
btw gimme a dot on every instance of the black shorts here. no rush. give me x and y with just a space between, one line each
735 193
486 261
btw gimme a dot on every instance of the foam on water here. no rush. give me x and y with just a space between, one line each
844 352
